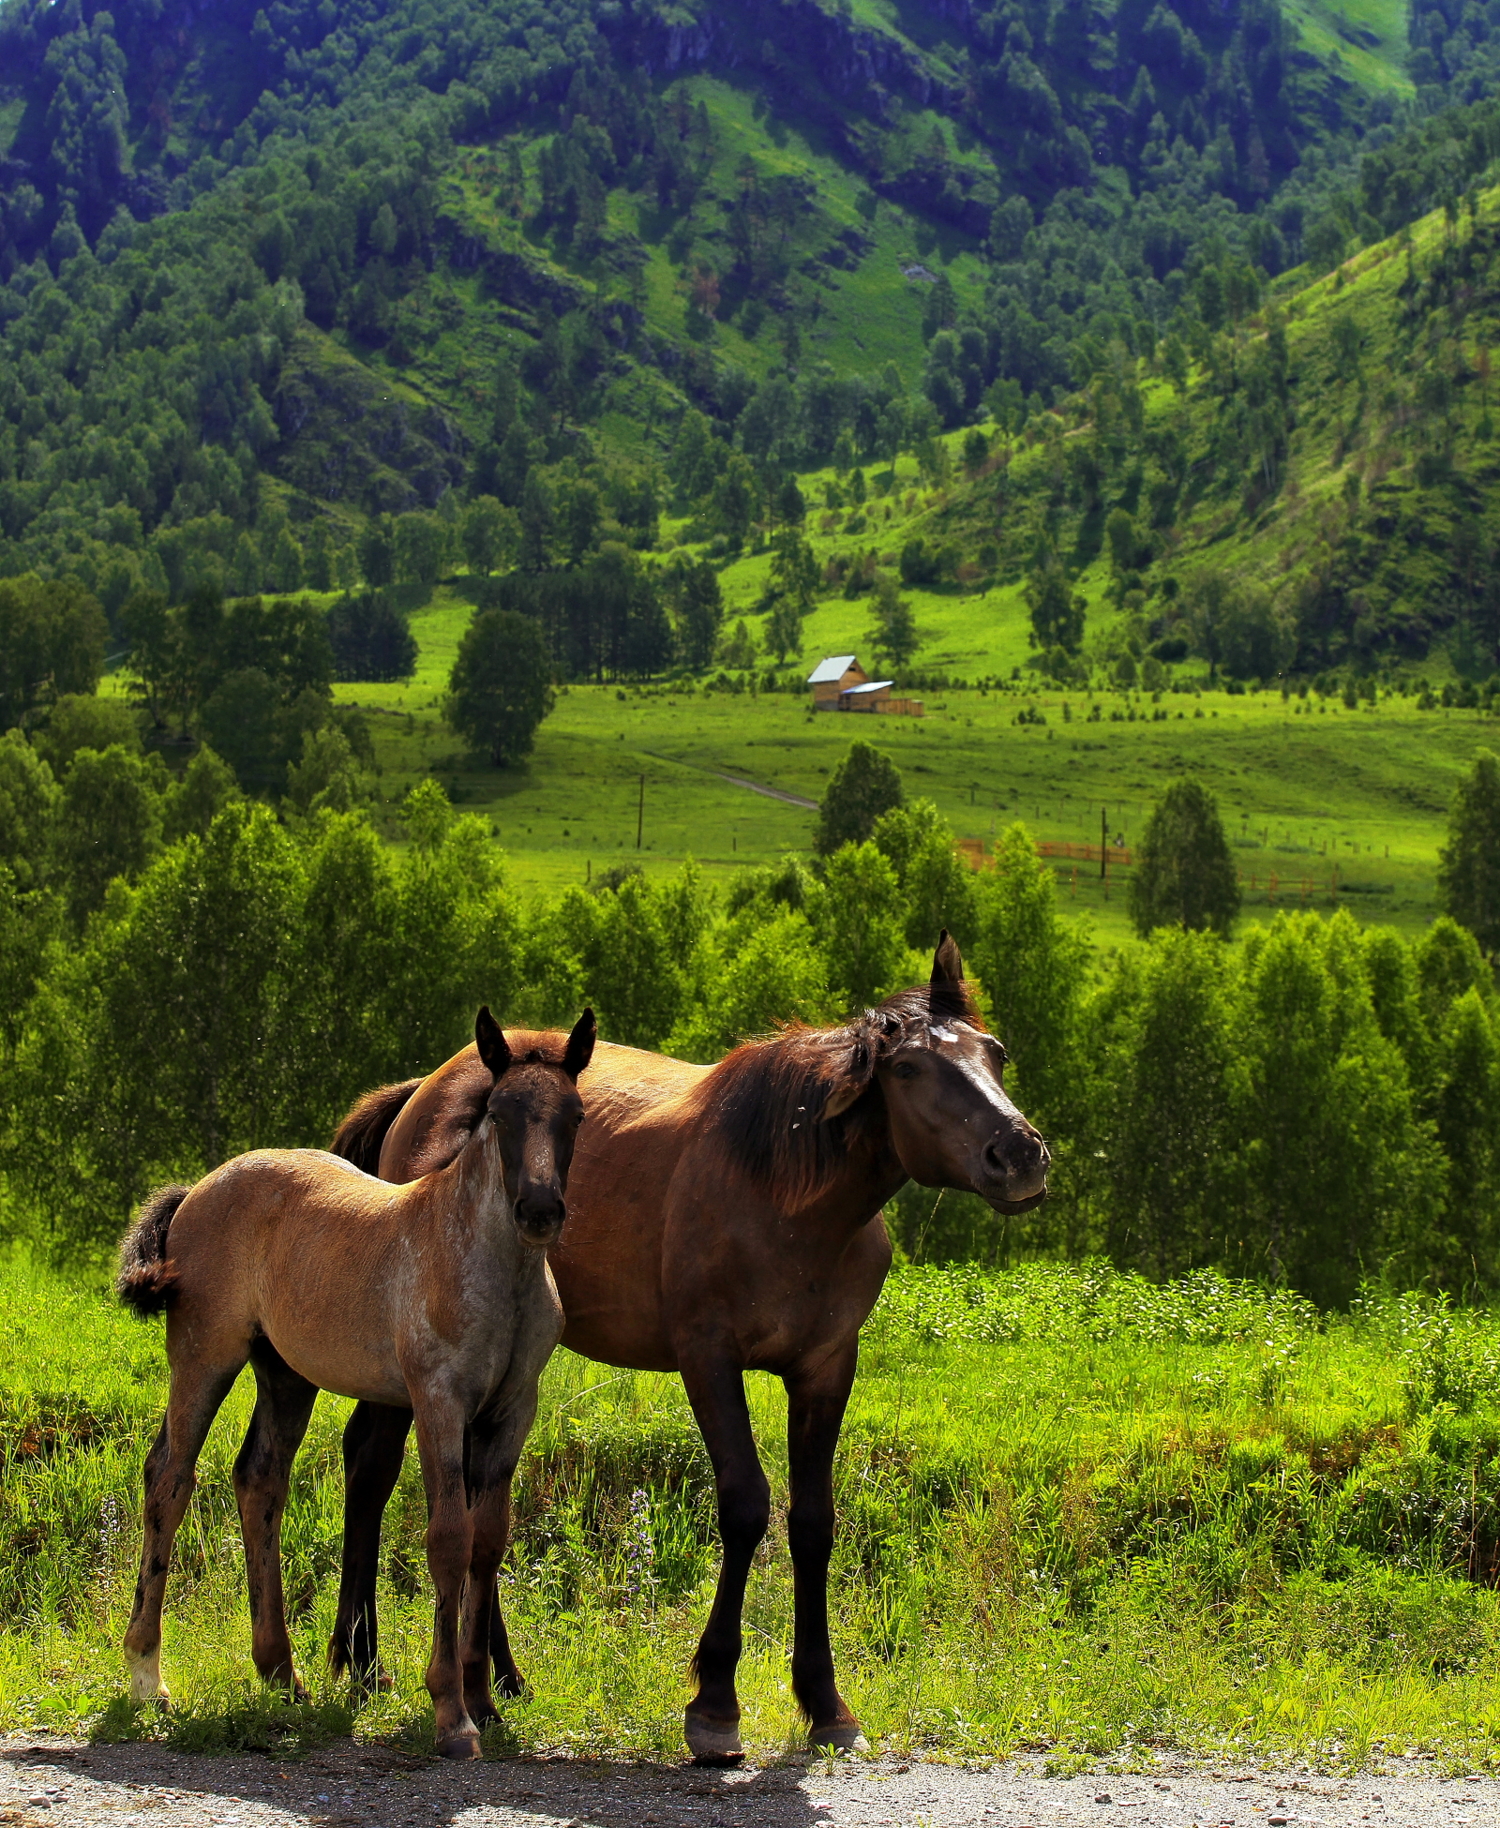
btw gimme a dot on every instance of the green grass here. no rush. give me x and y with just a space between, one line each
1364 40
1304 790
1077 1512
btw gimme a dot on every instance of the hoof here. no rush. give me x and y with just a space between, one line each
459 1745
146 1686
842 1736
481 1711
512 1684
712 1742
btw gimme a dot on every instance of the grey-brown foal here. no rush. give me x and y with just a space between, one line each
432 1296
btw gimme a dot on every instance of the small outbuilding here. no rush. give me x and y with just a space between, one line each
833 676
840 683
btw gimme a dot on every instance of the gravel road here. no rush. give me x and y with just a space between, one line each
46 1781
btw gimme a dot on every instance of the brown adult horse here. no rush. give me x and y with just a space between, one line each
727 1218
434 1296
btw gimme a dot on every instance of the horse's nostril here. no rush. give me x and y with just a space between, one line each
539 1214
1021 1152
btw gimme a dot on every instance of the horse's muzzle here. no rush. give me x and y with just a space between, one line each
539 1218
1017 1162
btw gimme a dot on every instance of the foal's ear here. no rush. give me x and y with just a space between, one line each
580 1048
489 1038
947 965
855 1083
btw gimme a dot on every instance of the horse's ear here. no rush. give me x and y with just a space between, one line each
855 1083
947 964
494 1049
580 1048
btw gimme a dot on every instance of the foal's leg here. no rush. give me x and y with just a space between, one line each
450 1535
494 1450
196 1394
374 1442
262 1473
815 1411
716 1390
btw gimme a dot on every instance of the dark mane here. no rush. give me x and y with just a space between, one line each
768 1097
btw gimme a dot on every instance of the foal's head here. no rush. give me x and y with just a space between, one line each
939 1073
535 1110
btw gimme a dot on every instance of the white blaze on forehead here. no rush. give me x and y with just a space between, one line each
983 1082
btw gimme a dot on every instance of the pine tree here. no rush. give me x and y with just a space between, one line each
1469 863
1184 875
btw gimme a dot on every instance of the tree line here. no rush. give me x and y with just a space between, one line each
1314 1102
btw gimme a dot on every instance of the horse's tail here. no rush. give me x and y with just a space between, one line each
147 1282
359 1136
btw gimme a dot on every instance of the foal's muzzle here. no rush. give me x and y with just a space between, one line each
539 1217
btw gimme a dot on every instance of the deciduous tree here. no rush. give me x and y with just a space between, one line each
865 784
501 685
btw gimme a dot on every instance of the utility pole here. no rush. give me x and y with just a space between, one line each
640 814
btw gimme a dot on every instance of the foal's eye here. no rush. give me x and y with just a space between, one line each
905 1069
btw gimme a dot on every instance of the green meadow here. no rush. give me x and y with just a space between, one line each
1078 1512
1332 806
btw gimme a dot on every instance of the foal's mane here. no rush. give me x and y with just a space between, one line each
767 1099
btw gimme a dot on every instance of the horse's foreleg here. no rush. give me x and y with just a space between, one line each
815 1413
374 1442
262 1473
450 1536
493 1454
197 1392
716 1390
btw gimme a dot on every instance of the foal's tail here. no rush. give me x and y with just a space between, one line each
359 1136
147 1282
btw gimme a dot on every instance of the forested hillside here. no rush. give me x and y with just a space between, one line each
272 273
1306 486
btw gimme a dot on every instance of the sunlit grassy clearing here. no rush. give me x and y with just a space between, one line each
1330 28
1329 788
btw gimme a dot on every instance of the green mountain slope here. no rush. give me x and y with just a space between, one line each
272 273
1314 488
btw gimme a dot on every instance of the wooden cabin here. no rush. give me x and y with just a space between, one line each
840 683
833 676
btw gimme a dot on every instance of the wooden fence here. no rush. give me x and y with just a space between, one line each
975 853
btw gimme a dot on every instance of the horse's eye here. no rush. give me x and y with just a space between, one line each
905 1069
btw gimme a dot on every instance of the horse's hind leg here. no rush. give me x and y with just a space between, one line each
815 1412
262 1473
508 1679
374 1442
197 1391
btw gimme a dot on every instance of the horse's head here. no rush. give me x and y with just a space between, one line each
535 1110
940 1075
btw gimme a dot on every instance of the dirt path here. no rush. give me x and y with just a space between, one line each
46 1780
738 780
771 793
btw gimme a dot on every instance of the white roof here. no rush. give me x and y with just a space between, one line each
870 685
832 669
